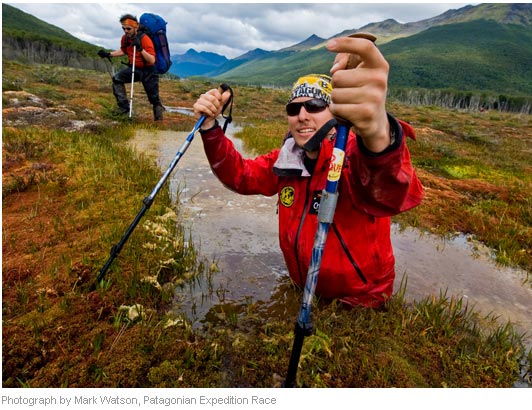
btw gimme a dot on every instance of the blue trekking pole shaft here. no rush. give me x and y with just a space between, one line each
115 250
328 202
176 159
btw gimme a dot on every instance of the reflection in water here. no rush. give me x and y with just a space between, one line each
240 234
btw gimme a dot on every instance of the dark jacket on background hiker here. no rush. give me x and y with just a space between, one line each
373 187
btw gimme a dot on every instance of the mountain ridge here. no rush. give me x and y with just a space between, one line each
476 68
488 66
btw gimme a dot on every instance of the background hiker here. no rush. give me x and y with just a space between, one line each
144 66
377 181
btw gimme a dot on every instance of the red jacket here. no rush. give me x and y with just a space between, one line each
358 263
126 45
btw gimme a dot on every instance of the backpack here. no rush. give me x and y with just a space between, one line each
155 27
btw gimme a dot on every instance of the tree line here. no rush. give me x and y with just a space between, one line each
45 51
462 100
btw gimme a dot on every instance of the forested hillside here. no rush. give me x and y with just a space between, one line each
479 55
481 64
28 39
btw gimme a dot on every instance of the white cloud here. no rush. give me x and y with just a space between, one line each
229 29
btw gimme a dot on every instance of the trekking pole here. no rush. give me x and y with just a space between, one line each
111 71
147 202
132 82
328 202
115 250
325 218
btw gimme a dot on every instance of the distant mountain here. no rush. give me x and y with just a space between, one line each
307 44
203 57
195 63
385 31
253 54
388 30
238 61
486 47
475 55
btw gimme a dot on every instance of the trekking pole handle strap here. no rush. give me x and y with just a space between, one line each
229 103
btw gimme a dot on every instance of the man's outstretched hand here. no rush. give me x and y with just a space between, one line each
360 81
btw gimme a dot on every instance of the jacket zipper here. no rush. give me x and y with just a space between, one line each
300 227
348 254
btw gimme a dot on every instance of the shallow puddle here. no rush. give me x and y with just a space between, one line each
240 234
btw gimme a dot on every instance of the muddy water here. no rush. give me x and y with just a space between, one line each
240 234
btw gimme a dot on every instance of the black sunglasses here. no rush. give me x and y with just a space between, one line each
311 106
127 28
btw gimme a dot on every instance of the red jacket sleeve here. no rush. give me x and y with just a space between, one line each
245 176
384 184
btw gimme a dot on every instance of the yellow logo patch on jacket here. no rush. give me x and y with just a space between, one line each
287 196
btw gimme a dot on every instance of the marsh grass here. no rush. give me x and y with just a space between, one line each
104 185
436 342
58 230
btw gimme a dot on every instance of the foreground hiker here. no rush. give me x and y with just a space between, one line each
377 181
144 66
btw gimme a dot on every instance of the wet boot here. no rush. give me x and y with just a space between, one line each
158 112
123 110
119 91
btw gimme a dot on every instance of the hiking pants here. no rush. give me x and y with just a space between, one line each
149 80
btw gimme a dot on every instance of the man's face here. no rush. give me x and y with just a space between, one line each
304 125
129 31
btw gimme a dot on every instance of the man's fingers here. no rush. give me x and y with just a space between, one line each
226 96
207 104
212 102
369 54
218 95
340 62
360 77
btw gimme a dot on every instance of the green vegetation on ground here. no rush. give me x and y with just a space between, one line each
70 178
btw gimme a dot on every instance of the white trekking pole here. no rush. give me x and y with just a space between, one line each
132 81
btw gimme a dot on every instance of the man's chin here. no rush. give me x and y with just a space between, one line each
302 140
